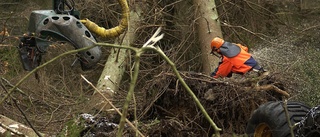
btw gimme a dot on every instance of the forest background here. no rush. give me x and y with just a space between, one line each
283 35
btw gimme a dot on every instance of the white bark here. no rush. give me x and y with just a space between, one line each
115 66
9 127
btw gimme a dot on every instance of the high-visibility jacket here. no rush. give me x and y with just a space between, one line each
241 64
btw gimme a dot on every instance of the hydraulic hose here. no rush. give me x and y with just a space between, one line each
113 32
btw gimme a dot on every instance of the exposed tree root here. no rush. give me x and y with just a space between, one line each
228 101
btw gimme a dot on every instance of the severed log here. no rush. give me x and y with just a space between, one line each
15 128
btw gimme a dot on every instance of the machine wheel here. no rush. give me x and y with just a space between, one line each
269 120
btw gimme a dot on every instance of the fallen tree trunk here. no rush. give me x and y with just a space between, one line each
9 127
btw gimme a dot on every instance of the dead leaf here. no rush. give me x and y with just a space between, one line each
4 32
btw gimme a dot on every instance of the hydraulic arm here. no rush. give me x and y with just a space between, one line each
47 26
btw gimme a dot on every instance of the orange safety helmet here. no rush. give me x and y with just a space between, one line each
216 43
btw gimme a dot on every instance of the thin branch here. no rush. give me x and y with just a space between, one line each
285 107
274 88
21 111
8 82
5 45
114 107
5 32
256 34
149 45
129 95
41 66
146 47
204 112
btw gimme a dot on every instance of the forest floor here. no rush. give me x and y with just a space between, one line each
163 106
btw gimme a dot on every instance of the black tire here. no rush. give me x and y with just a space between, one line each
269 120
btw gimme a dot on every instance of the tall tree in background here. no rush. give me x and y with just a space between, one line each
208 27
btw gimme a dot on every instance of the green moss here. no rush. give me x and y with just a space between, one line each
309 70
73 128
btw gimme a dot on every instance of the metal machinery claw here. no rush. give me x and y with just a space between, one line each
57 24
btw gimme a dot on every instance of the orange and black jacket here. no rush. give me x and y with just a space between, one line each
240 64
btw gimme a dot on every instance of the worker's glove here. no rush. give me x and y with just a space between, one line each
213 74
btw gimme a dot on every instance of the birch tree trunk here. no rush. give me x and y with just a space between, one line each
111 76
208 27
